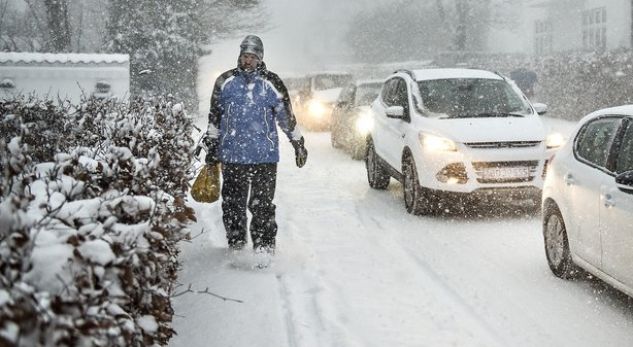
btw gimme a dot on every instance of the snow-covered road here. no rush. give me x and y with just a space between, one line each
354 269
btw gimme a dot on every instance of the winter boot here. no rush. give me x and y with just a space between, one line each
236 244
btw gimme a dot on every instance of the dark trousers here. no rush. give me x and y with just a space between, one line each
254 183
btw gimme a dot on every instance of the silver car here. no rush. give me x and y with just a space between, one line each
588 200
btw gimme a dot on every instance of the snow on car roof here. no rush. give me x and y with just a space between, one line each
62 58
435 74
617 110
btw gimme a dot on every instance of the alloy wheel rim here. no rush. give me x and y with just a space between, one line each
556 241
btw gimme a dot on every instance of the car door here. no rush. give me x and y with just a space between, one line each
382 132
341 111
616 215
395 129
583 179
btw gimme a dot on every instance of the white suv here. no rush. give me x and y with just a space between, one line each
450 133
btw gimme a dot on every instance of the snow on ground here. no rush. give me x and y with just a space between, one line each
354 269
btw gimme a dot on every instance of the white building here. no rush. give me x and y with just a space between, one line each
575 25
551 26
64 76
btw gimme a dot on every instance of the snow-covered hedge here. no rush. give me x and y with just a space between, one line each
91 209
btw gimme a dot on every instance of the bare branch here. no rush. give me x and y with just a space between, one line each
205 291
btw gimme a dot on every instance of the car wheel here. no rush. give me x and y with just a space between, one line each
416 198
557 244
334 138
376 175
358 150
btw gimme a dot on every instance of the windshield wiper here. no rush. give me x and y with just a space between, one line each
491 115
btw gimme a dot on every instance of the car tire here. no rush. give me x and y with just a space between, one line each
416 198
376 175
358 150
334 138
557 244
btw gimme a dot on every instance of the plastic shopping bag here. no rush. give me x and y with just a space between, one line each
206 187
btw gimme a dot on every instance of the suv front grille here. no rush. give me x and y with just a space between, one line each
505 171
507 144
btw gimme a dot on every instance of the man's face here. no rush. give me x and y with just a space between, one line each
248 61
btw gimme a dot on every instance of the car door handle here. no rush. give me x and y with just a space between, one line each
569 179
608 200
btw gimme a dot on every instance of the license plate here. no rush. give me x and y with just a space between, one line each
505 172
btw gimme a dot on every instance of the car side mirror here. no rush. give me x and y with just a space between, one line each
624 181
540 108
395 112
342 103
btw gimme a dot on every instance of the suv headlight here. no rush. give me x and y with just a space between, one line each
554 140
436 143
364 122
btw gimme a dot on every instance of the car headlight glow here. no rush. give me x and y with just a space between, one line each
364 123
317 108
554 140
436 143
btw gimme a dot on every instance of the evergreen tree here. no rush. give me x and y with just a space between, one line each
165 38
58 25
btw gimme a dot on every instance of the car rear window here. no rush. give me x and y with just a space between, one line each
367 93
471 97
331 81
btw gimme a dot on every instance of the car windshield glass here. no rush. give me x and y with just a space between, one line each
472 97
331 81
367 93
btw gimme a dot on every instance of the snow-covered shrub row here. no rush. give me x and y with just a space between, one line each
89 226
572 84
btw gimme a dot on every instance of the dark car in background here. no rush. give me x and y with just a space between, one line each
351 117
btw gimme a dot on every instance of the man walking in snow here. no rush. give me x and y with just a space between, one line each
246 104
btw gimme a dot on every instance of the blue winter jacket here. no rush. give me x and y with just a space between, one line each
245 108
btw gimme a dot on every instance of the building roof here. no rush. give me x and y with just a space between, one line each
62 58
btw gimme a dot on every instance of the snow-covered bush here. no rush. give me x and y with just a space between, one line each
88 234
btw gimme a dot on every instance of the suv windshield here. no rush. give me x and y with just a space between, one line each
367 93
472 97
331 81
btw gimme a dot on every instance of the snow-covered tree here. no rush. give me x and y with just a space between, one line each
409 30
58 24
165 38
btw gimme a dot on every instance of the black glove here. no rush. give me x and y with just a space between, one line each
301 153
211 148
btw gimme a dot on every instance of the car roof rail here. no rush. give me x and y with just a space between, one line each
500 75
406 71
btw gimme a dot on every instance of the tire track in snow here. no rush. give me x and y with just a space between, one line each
307 321
454 295
289 318
438 285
